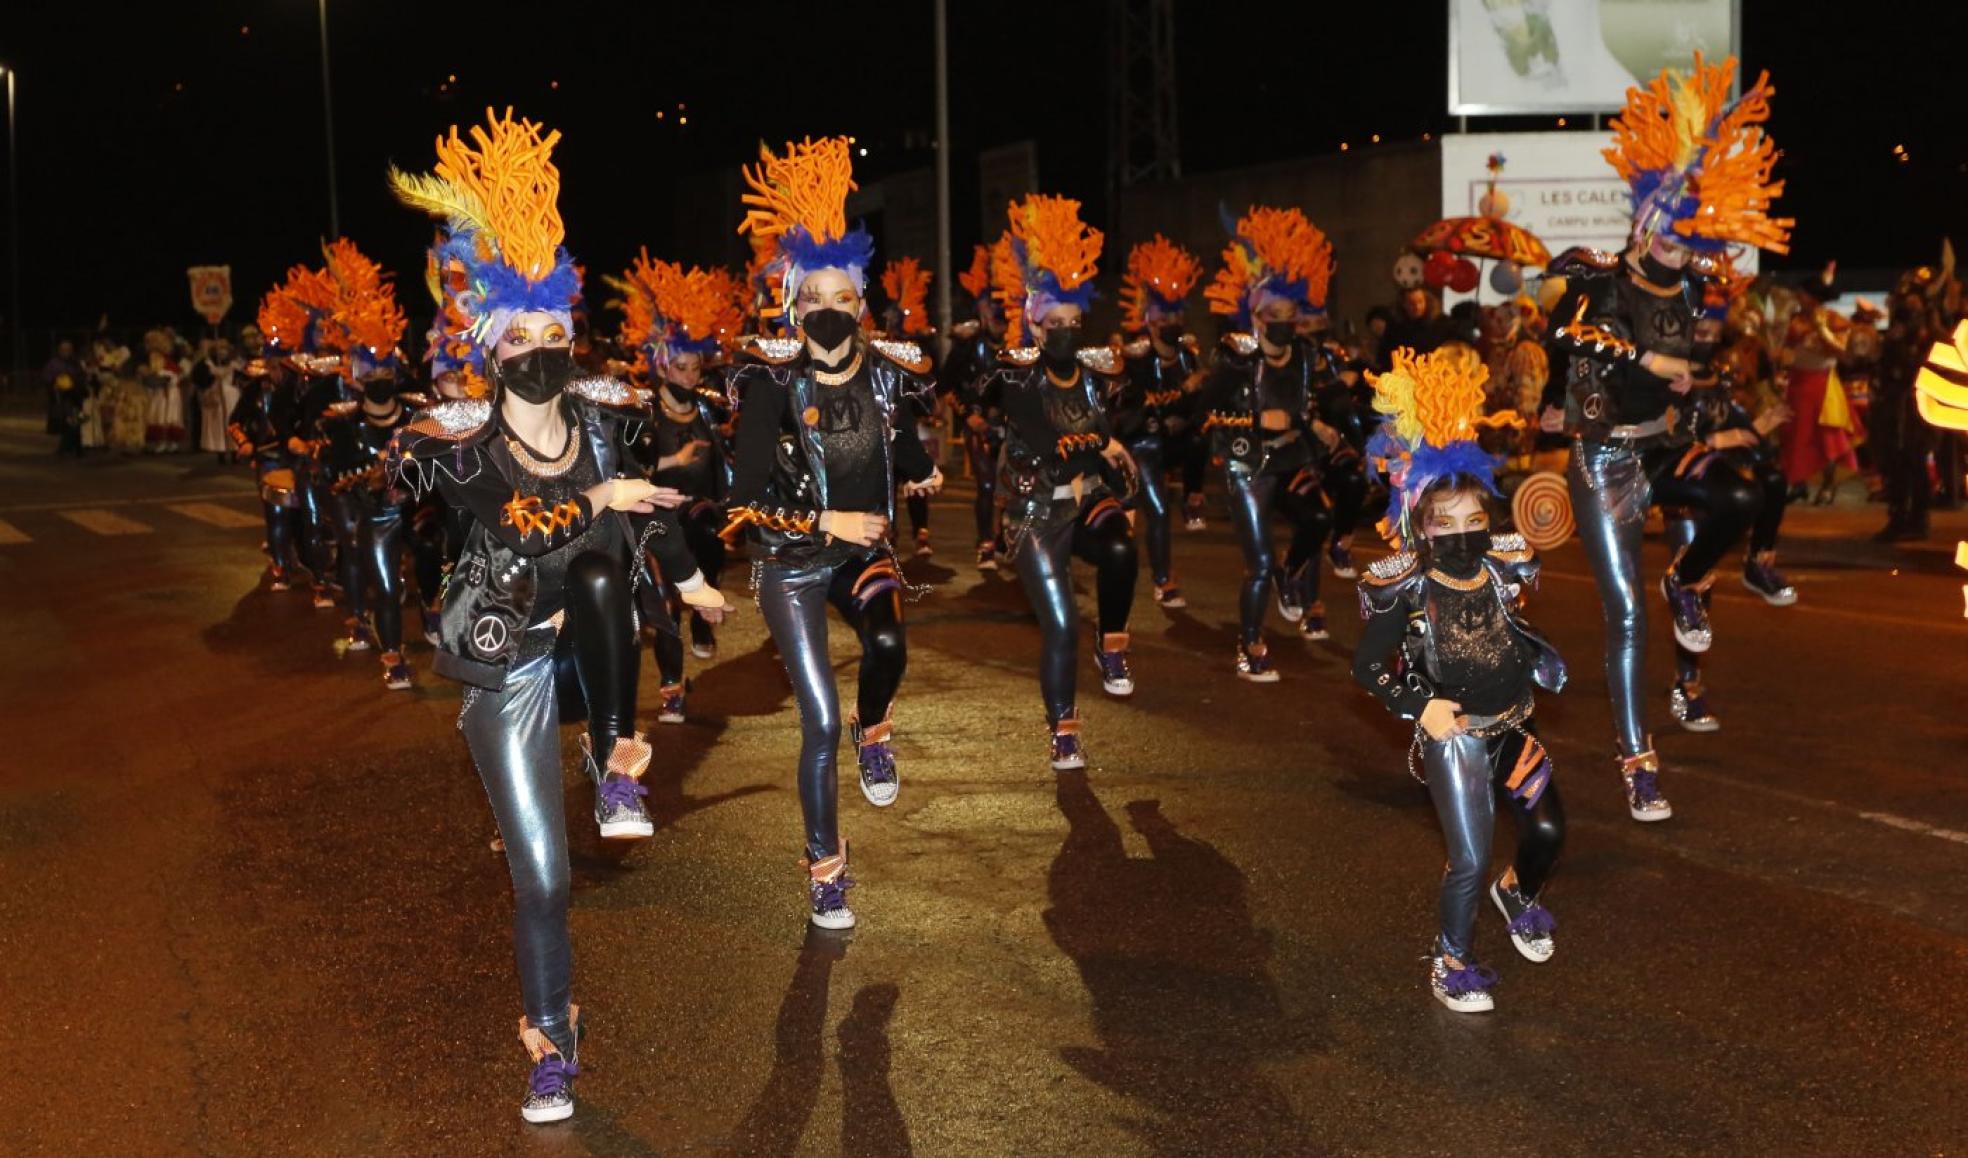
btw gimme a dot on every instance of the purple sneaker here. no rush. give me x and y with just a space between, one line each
619 810
1341 555
433 623
1112 656
1313 626
1254 664
1531 924
826 892
550 1088
1291 599
396 673
879 781
1644 801
1760 575
1067 755
1463 988
360 638
671 711
1691 628
1687 702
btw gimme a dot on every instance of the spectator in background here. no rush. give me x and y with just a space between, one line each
164 427
215 380
1420 327
61 377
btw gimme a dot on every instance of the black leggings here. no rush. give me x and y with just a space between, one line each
1727 503
701 524
868 594
379 552
982 450
1100 536
596 658
1346 488
1151 505
1299 499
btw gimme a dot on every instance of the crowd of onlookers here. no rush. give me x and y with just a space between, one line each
167 396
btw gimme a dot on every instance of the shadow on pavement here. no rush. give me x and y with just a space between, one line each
777 1117
1183 1001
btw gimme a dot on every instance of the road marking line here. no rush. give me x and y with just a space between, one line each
1919 826
105 522
216 515
10 534
93 503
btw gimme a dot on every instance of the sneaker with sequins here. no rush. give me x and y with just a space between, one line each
1291 599
1313 626
873 752
703 638
1644 801
1462 987
671 709
360 637
1067 754
619 811
396 673
987 556
1687 702
1192 514
1341 556
1168 597
923 548
1690 611
550 1087
1760 575
1532 927
1254 664
1112 656
827 883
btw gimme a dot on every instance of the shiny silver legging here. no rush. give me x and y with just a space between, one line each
1152 504
1101 537
1465 776
514 737
794 601
1609 495
1252 497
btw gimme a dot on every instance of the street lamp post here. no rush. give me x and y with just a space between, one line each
943 270
19 377
328 119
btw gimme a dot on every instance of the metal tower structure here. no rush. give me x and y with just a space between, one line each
1142 144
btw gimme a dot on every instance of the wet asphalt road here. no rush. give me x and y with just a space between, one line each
249 906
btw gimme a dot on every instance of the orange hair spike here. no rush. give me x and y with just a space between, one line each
505 184
1160 267
906 283
1684 122
1056 240
1271 244
808 187
365 313
1008 286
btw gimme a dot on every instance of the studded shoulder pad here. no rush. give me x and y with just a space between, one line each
965 331
777 351
341 409
1019 355
453 420
1582 260
1392 569
907 355
1100 360
602 391
1241 344
414 400
1138 348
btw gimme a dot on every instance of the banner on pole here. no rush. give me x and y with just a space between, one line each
211 291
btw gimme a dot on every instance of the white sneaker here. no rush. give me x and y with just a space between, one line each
1463 988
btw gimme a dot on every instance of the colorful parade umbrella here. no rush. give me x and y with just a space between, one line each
1490 237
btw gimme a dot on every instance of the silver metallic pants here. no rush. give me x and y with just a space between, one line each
1465 776
794 601
1609 499
1045 562
514 736
1152 503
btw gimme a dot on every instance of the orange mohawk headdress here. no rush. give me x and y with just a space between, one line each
669 311
367 322
1698 163
1433 408
499 193
799 201
1273 253
294 316
1160 274
1047 258
976 280
906 283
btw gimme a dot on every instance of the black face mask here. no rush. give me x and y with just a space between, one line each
1657 271
829 327
378 390
538 376
1280 334
1171 333
1459 554
1060 345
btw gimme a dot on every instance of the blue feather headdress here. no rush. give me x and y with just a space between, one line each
1273 254
798 202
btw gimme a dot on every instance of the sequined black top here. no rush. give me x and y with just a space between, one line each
1480 661
550 569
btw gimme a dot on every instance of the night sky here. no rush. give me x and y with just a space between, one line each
159 135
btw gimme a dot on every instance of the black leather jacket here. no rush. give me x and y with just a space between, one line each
489 597
1154 391
1600 329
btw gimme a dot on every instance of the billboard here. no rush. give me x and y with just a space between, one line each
1575 56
